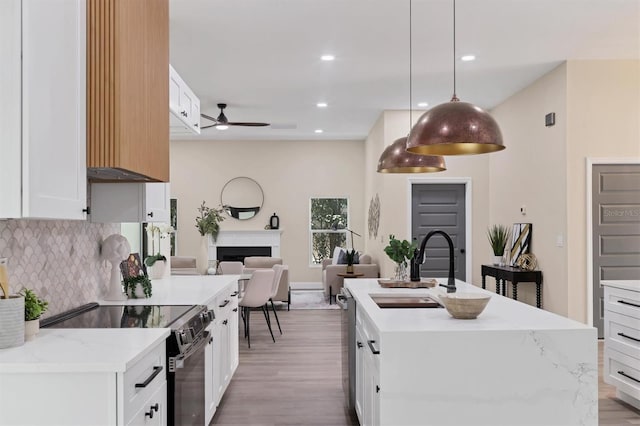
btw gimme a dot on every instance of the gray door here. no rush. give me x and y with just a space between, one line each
616 230
440 206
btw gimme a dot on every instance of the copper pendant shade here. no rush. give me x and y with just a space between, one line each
396 159
455 128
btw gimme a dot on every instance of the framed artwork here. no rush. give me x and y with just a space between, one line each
133 266
520 241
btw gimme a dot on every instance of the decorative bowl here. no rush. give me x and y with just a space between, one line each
464 305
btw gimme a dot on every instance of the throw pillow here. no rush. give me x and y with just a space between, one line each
342 258
336 255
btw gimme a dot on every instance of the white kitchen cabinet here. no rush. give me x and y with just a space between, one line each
130 202
184 106
367 372
622 341
210 397
43 109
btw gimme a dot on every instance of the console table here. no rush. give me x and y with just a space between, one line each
502 274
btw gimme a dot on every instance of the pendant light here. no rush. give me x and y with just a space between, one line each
395 158
455 128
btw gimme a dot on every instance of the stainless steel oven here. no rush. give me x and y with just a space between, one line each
348 340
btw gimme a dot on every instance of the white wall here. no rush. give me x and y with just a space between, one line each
290 173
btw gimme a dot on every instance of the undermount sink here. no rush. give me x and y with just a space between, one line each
398 302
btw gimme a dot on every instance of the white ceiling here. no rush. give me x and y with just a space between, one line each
262 57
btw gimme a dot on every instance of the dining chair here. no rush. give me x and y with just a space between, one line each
279 269
231 268
257 293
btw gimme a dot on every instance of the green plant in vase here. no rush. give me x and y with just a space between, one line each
498 237
34 307
209 220
350 257
401 252
131 284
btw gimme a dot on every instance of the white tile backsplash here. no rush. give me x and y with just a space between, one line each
59 259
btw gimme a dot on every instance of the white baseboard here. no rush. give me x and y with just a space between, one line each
305 285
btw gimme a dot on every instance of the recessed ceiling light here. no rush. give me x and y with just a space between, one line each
327 57
423 104
468 58
318 130
222 127
322 104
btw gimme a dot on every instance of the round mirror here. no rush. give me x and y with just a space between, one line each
242 198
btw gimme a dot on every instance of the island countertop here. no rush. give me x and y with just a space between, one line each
501 313
633 285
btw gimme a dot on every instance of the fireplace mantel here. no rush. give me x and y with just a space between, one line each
246 238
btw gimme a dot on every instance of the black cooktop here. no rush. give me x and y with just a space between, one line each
100 316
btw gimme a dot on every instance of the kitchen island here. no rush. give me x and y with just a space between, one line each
95 376
513 365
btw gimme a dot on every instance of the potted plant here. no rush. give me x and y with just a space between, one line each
34 307
350 257
157 261
208 223
137 287
498 236
401 252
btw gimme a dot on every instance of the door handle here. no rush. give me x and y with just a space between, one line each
463 251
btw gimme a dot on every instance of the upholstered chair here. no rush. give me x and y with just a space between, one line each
257 293
279 269
252 263
231 268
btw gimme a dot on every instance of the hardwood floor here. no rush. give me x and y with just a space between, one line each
297 380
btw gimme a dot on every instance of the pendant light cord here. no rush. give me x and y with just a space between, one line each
455 97
410 73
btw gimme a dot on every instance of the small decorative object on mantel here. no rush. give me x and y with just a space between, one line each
208 223
11 313
115 249
498 236
274 222
401 252
34 307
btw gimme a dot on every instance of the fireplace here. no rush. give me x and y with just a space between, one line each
257 241
239 253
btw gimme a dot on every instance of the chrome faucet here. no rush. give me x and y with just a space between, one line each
418 259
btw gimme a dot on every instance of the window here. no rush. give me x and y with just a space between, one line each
329 218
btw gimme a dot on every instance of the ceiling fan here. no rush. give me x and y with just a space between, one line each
222 123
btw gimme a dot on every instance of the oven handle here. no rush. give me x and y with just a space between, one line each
173 361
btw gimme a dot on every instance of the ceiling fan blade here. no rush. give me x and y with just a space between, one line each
208 117
248 124
208 127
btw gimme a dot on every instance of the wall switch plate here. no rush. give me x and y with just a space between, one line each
523 210
560 240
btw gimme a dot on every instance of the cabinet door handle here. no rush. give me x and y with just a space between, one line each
373 349
235 293
359 344
87 210
195 125
225 303
628 303
622 373
210 340
225 322
152 408
628 337
235 309
156 370
150 214
377 389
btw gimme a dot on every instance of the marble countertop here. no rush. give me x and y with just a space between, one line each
58 350
501 313
109 350
633 285
182 290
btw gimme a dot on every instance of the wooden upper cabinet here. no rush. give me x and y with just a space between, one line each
128 90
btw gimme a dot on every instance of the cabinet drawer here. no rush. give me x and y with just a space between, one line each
372 344
154 410
622 333
143 379
622 301
623 372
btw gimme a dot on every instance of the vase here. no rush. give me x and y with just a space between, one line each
158 270
31 328
138 293
202 259
497 260
12 320
400 272
349 269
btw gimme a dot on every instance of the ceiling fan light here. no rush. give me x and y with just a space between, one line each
396 159
455 128
222 127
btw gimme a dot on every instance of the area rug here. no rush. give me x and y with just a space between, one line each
310 299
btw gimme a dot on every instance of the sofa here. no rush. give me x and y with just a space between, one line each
251 263
332 283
